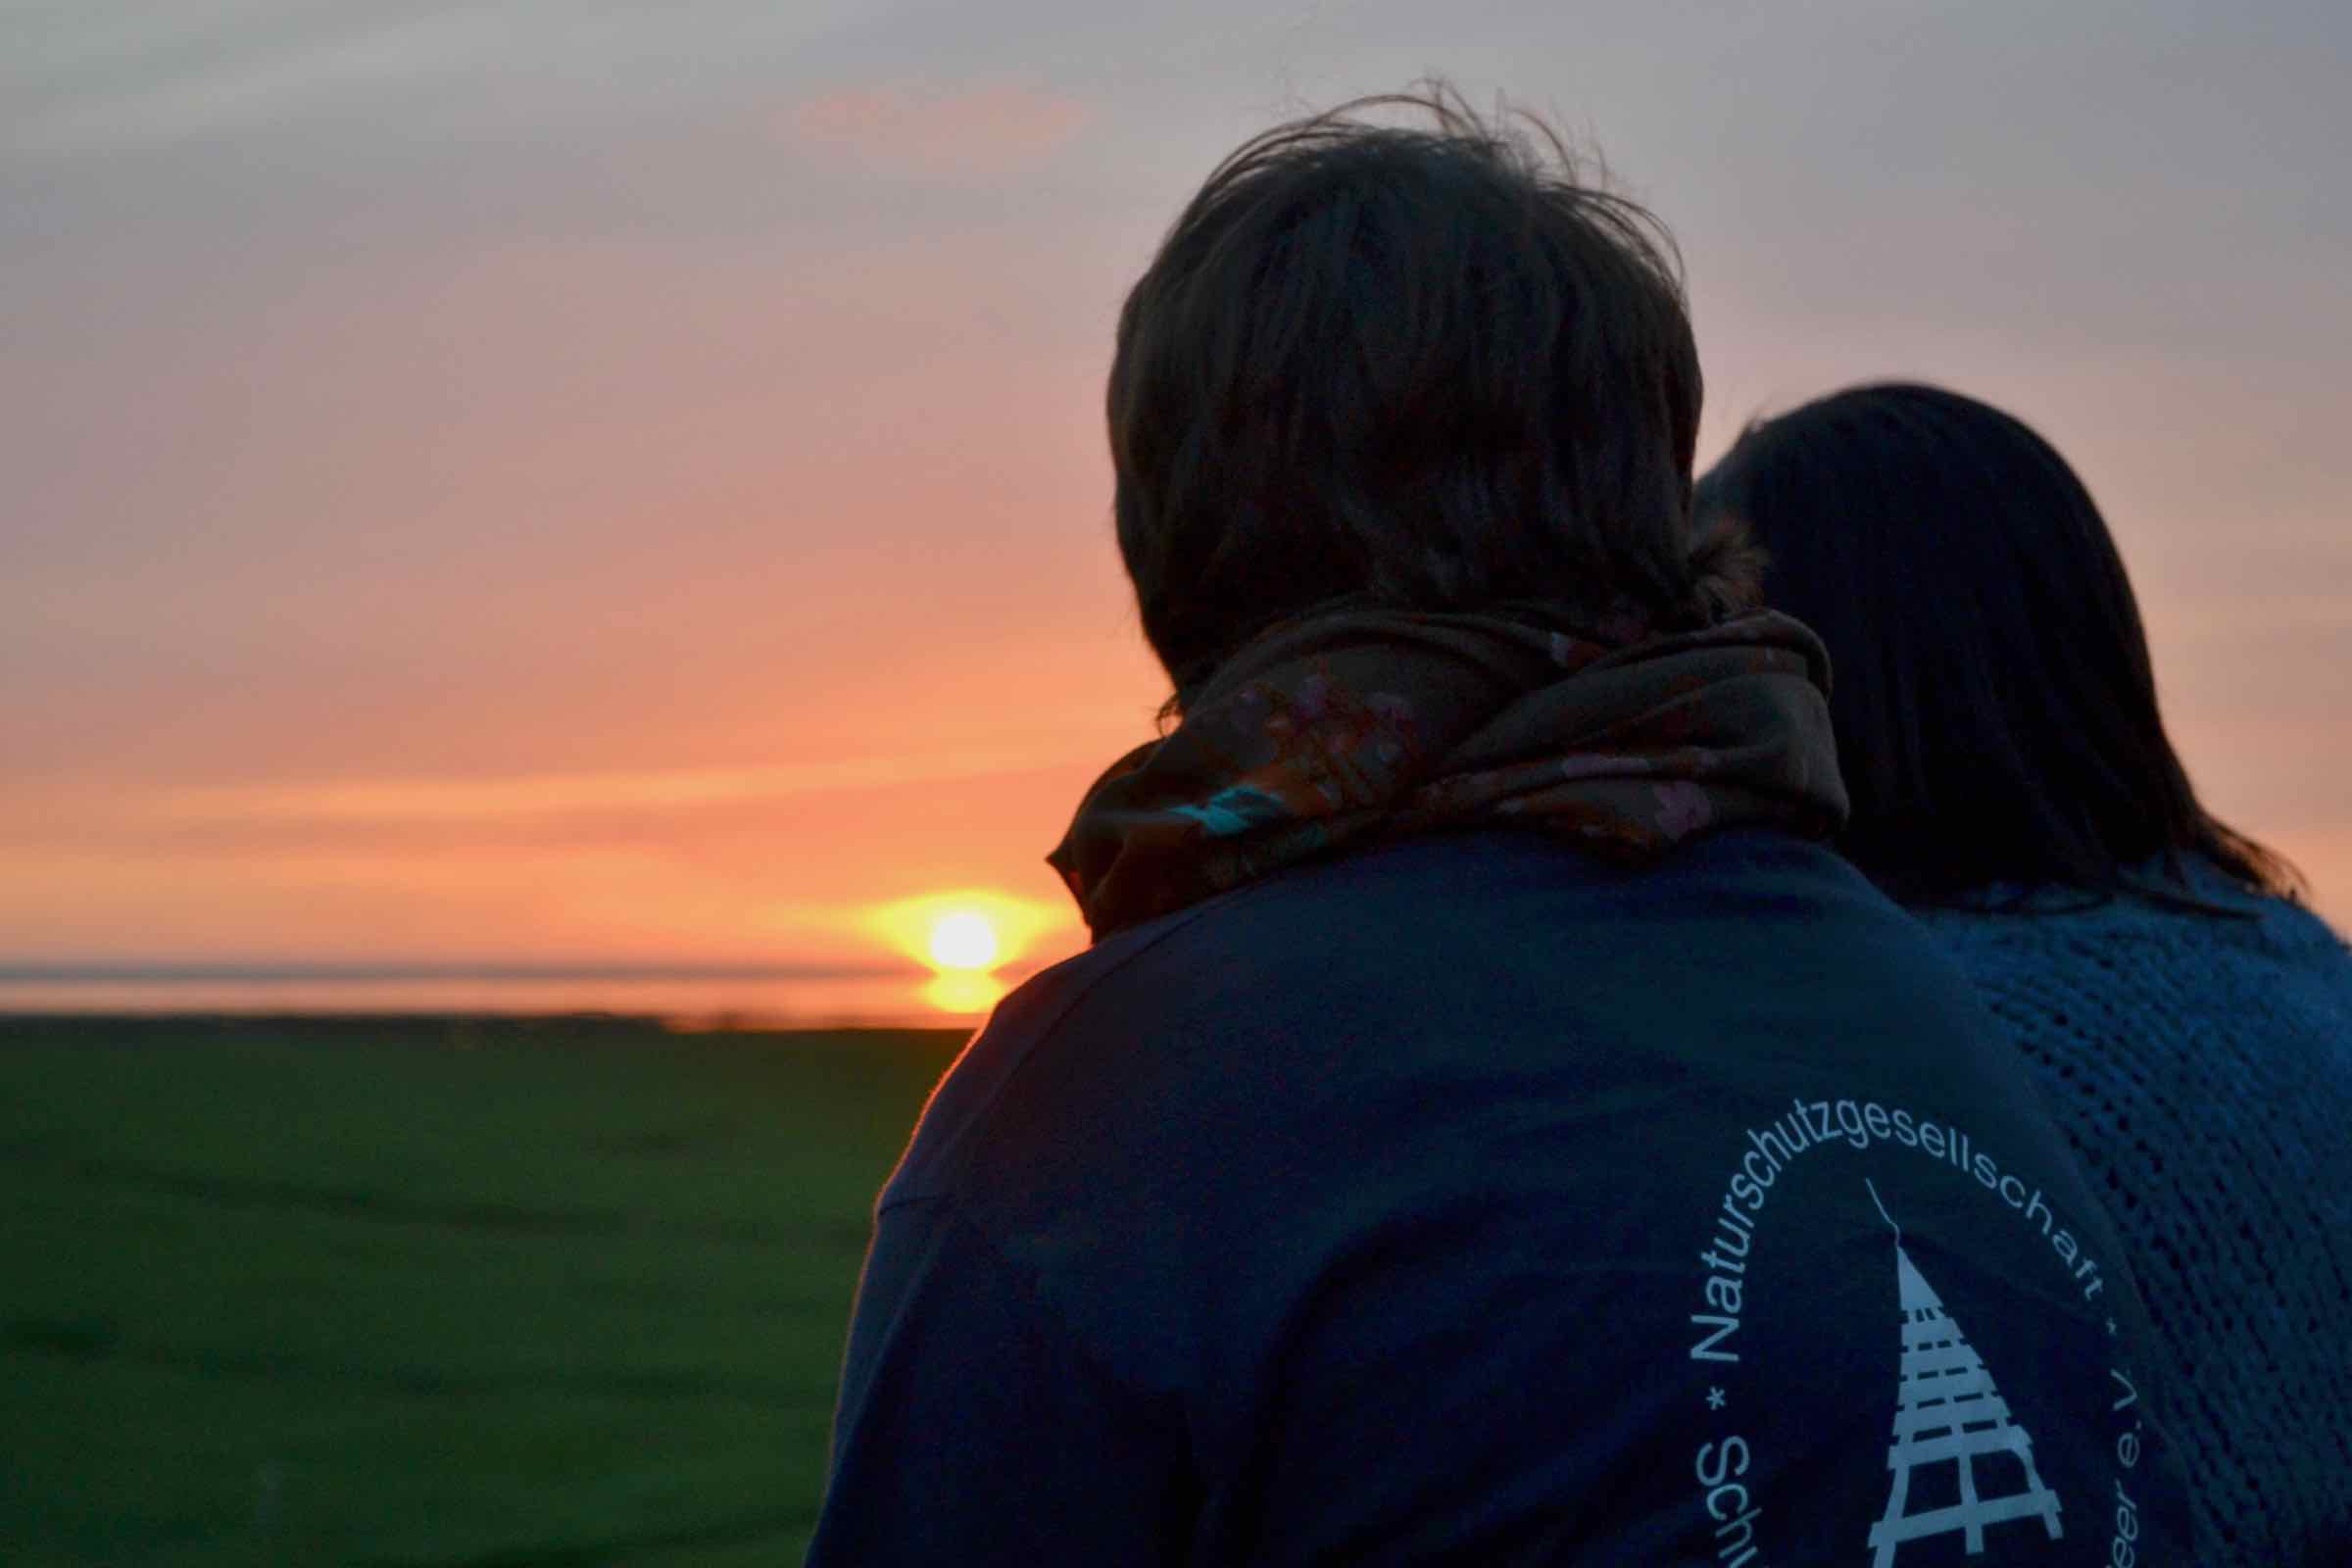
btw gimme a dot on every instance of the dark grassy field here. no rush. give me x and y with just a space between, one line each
422 1293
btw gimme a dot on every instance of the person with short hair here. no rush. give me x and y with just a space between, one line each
2012 782
1489 1126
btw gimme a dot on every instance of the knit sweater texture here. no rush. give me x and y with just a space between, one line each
2202 1066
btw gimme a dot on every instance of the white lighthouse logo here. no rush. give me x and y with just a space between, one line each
1948 1411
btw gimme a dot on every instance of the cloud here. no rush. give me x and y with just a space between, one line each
507 799
940 131
306 71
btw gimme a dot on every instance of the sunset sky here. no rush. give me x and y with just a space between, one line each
547 480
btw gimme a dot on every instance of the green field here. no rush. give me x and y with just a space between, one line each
393 1293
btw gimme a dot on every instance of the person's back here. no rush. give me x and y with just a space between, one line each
1466 1202
2012 783
1488 1128
2200 1060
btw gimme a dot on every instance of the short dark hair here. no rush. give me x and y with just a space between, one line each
1427 367
1994 701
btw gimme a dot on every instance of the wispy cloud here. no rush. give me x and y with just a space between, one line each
540 795
186 92
964 130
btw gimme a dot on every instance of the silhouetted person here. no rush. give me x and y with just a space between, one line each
2012 781
1489 1126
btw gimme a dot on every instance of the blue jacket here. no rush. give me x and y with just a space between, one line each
1465 1201
2202 1066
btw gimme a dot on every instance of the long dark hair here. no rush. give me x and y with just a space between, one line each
1994 705
1437 367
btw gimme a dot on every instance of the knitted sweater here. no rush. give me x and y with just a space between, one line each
2202 1065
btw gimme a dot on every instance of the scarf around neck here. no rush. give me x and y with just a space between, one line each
1364 724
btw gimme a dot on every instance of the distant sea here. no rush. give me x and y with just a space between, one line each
686 996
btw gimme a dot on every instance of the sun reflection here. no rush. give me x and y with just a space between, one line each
963 991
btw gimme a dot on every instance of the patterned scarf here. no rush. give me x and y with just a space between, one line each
1362 724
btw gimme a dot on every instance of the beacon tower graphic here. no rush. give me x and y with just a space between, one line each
1948 1411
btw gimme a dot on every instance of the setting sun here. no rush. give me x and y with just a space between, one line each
968 929
963 939
965 935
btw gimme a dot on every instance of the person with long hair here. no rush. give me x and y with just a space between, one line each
1489 1126
2011 781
